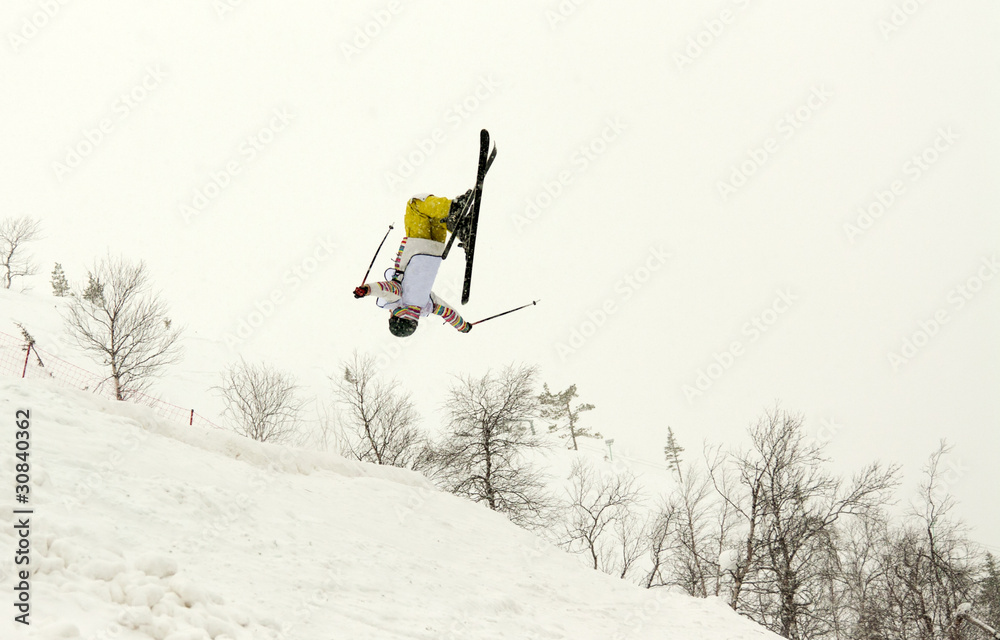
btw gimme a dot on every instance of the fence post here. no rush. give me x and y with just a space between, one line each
191 421
27 356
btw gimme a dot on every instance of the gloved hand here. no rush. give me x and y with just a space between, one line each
467 328
362 291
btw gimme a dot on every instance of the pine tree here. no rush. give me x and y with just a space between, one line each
989 594
29 340
60 286
559 406
94 293
673 453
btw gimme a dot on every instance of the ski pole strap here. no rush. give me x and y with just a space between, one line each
365 279
533 302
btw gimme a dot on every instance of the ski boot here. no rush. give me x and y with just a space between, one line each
455 222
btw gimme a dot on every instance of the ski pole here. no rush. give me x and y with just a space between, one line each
375 256
506 312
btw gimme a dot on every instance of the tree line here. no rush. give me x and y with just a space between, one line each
767 526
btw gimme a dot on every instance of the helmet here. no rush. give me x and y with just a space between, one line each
402 327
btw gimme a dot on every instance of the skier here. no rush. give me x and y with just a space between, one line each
407 294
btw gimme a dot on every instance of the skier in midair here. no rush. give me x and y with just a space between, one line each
407 294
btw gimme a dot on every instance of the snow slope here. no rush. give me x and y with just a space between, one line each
146 529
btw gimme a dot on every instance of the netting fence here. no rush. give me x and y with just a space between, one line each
20 358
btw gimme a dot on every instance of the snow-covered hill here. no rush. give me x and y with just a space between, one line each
146 529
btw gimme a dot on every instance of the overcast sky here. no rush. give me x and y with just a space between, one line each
721 205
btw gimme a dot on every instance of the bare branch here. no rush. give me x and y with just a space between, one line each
377 420
482 455
14 234
124 326
262 403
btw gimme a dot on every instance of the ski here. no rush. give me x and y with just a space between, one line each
464 215
477 198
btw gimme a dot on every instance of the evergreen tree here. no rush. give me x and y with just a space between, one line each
60 286
673 453
94 293
559 406
989 595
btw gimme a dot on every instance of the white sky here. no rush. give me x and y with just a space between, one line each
301 118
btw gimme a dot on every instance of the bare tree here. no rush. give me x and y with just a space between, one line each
559 407
661 547
377 418
631 542
692 530
262 403
124 325
14 234
740 485
930 567
697 569
483 454
792 506
600 523
908 579
864 600
328 435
